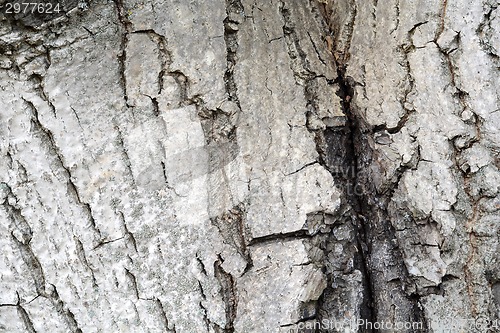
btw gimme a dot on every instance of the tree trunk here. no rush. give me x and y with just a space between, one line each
250 166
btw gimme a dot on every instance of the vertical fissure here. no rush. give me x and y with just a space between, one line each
354 193
368 212
122 56
347 273
347 153
235 16
28 323
341 149
228 286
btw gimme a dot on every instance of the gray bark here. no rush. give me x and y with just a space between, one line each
250 166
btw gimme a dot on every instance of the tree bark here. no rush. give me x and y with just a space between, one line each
250 166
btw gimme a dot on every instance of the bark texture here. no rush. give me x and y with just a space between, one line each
250 166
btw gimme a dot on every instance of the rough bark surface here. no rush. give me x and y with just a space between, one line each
250 166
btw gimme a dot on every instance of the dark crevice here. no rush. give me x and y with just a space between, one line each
201 265
77 118
164 171
210 325
299 62
442 15
315 48
163 316
337 154
85 206
231 226
375 229
50 293
63 311
302 168
219 128
341 156
411 32
156 107
235 15
228 285
28 324
21 226
128 236
486 32
347 154
47 137
124 151
398 12
371 218
122 56
183 84
80 252
393 130
165 59
122 61
103 242
21 237
281 237
33 264
302 320
40 88
133 283
219 125
353 192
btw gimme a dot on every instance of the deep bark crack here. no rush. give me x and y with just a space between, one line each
65 312
348 156
28 323
342 155
47 138
231 226
122 56
235 13
281 237
80 252
229 294
164 317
